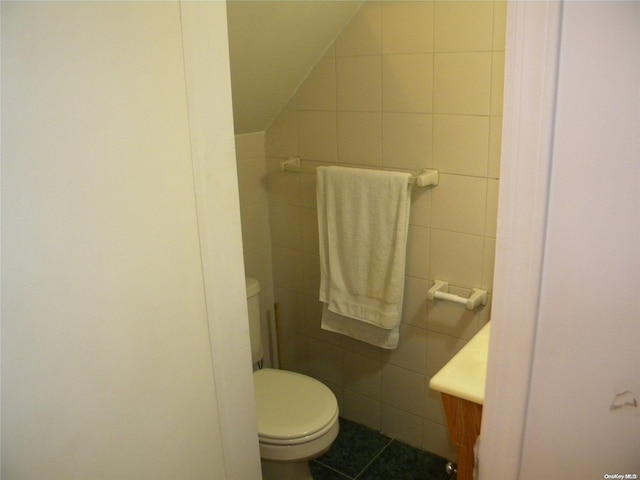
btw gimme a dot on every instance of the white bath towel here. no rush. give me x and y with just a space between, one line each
365 332
363 218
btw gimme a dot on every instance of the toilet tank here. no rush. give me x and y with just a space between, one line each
255 320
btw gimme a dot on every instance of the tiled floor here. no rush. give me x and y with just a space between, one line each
364 454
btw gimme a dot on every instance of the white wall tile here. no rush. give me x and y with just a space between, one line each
457 258
325 361
463 26
251 180
407 140
402 425
293 350
462 83
418 247
362 348
497 82
286 225
420 214
362 375
359 84
402 389
291 310
488 263
491 221
433 406
499 24
311 269
281 187
287 269
338 391
407 83
440 349
452 319
495 147
307 191
256 231
361 409
310 240
317 134
459 204
411 353
407 27
250 145
360 138
461 144
258 264
414 309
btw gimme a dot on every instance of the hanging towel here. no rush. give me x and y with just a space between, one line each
380 337
363 218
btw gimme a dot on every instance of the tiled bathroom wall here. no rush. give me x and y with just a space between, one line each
256 232
407 86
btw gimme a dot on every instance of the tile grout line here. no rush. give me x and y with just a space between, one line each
342 474
374 459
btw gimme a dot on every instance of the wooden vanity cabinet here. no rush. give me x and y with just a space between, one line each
463 420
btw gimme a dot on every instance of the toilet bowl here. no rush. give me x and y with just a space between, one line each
297 421
297 415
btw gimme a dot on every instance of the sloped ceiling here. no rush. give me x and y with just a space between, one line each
273 45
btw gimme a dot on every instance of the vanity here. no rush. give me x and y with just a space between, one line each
461 383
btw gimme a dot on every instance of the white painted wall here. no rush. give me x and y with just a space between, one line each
565 335
206 53
588 337
116 359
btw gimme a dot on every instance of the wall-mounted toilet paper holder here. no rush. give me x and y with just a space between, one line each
440 291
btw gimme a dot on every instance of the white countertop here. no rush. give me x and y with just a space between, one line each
464 375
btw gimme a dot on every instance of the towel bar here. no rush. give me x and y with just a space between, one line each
440 291
427 178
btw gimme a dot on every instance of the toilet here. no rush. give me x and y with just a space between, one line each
297 415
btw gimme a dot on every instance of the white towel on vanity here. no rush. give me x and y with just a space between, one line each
363 218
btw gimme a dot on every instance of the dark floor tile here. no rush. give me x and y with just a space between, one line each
402 462
355 447
320 472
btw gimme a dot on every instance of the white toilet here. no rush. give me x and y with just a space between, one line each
297 415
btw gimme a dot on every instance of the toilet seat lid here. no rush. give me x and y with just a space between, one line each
290 405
